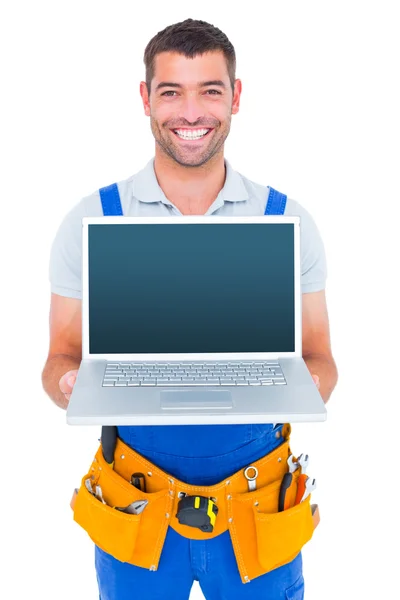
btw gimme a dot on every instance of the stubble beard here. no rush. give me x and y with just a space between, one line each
188 159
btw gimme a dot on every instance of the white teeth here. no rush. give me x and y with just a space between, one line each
190 135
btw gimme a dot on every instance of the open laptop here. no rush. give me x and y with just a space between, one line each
192 320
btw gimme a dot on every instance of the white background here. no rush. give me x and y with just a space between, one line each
319 121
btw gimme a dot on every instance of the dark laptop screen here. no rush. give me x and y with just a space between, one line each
191 288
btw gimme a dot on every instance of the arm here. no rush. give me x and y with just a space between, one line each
65 352
316 351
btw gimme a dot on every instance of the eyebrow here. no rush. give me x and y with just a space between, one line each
218 82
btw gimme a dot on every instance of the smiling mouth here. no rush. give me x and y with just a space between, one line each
191 135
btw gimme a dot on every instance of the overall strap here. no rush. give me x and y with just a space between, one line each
110 201
276 203
111 204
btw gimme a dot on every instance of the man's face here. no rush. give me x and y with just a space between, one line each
190 105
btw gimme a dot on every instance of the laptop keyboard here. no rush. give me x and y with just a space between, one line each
189 374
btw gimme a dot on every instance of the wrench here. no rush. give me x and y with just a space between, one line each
292 464
251 479
303 462
99 494
310 486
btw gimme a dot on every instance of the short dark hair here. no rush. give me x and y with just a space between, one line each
190 38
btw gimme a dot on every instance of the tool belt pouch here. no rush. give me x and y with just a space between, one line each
262 538
267 539
280 536
117 532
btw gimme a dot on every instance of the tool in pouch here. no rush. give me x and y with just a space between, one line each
197 511
251 474
201 512
208 510
194 511
286 483
138 481
305 485
109 436
301 482
136 507
108 440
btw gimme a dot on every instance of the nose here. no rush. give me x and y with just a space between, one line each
191 107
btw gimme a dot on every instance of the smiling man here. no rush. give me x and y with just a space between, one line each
190 95
190 105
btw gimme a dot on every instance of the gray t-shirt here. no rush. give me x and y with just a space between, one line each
141 195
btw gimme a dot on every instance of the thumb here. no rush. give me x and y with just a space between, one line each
71 380
67 382
316 380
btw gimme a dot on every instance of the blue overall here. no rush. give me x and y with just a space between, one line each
198 455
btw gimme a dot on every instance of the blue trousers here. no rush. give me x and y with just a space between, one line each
199 455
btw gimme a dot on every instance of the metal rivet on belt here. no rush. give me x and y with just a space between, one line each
153 568
229 497
227 482
214 500
171 493
279 459
256 503
167 515
246 577
230 520
149 473
171 481
122 456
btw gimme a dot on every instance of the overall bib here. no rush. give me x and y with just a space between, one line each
203 456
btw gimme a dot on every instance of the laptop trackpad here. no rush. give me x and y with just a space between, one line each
195 399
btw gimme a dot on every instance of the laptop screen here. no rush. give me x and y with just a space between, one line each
191 288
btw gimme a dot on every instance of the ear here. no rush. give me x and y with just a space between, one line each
145 98
236 96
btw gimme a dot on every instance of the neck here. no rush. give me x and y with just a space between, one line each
191 189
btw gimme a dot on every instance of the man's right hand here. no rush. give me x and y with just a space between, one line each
67 382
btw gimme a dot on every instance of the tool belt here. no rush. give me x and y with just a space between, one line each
262 538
